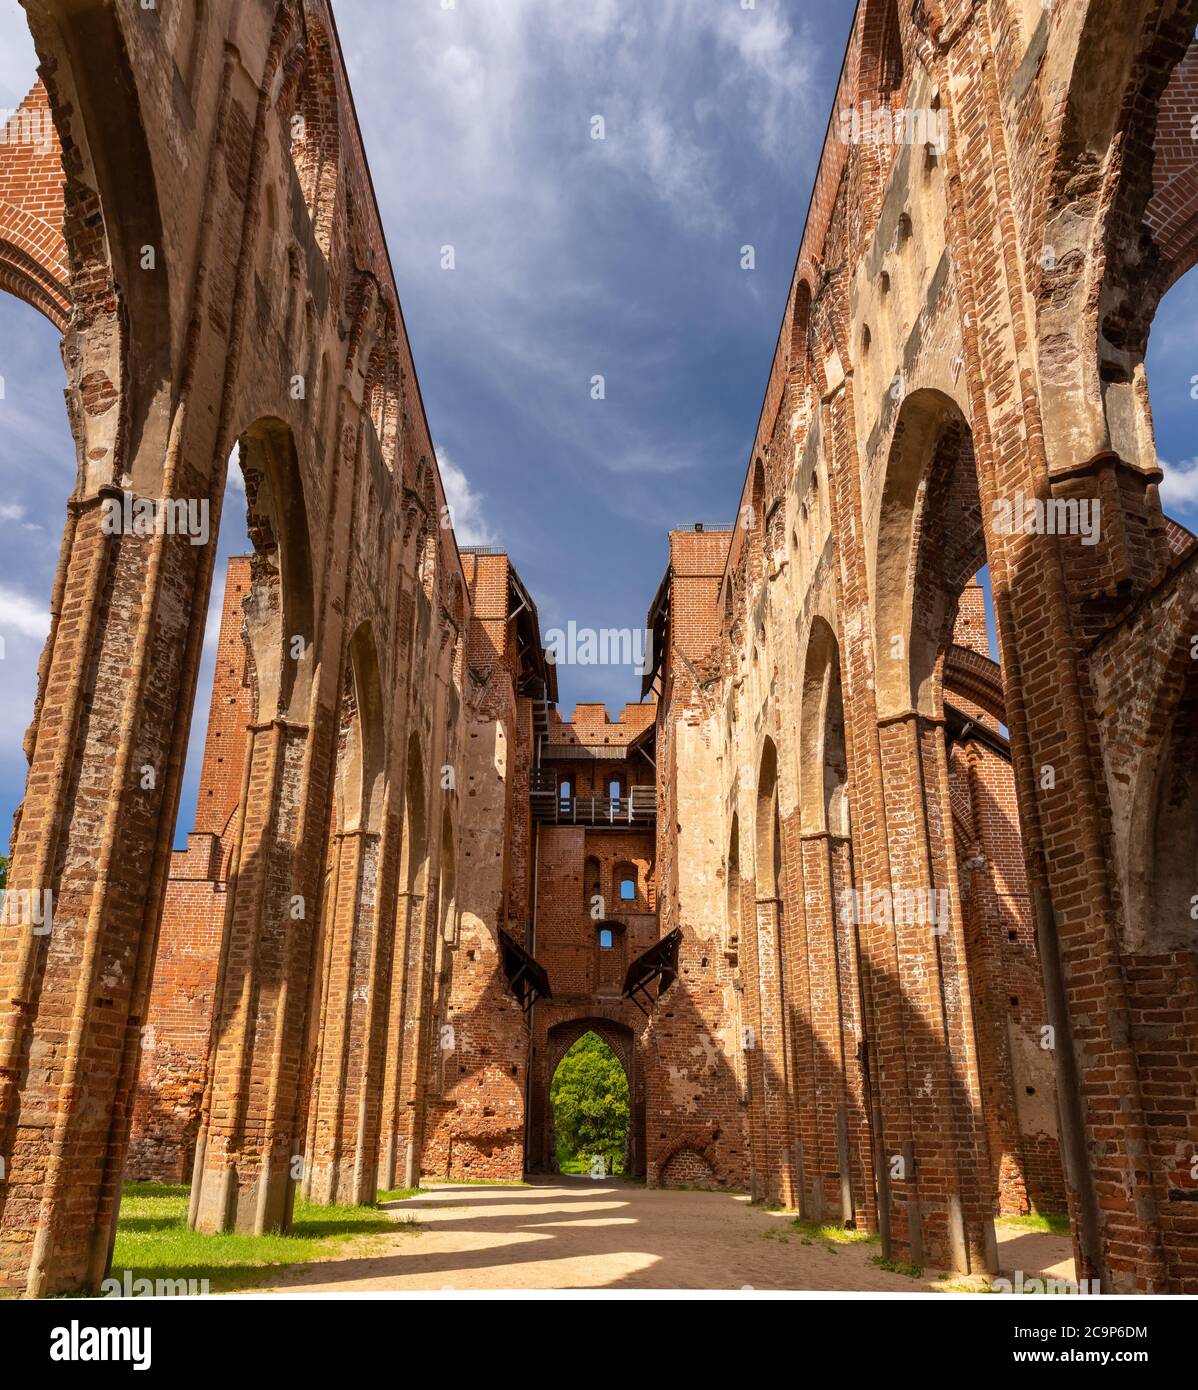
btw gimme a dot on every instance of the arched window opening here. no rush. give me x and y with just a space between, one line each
33 459
902 235
1170 382
448 898
383 401
806 568
627 891
414 841
732 908
799 325
314 135
881 50
769 841
592 887
757 498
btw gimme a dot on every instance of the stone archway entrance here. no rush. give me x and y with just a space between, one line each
561 1037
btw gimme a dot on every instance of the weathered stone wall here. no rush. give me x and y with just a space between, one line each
962 334
228 287
1002 198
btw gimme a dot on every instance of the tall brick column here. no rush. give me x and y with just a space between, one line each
778 1158
245 1155
342 1148
409 917
93 834
854 1133
829 1163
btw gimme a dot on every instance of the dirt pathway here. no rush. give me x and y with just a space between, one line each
574 1233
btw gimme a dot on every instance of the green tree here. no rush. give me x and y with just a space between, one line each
589 1095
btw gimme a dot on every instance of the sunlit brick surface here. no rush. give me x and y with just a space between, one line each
937 948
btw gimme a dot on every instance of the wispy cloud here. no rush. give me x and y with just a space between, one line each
18 60
488 144
22 615
1179 490
465 505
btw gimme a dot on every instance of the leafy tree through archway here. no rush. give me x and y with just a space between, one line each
589 1095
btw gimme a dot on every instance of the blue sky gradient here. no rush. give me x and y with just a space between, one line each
575 257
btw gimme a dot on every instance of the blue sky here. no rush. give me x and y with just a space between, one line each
575 257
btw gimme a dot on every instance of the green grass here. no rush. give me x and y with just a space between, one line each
833 1234
828 1234
397 1194
153 1241
1054 1222
898 1267
581 1163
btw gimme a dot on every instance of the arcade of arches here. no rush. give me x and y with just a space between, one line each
885 923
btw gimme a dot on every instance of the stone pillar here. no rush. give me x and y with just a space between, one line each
247 1157
417 1030
341 1162
859 1200
937 1170
982 919
409 911
777 1159
833 1160
91 848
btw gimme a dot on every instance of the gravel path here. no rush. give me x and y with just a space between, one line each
574 1233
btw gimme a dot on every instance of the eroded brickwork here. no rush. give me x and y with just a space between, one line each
924 917
595 897
835 704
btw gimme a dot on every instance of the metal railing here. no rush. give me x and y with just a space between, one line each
549 804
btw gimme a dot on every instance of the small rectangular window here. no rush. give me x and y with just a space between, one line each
605 939
627 890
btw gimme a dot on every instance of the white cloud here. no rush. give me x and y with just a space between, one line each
649 144
18 60
470 526
22 615
487 145
1179 490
